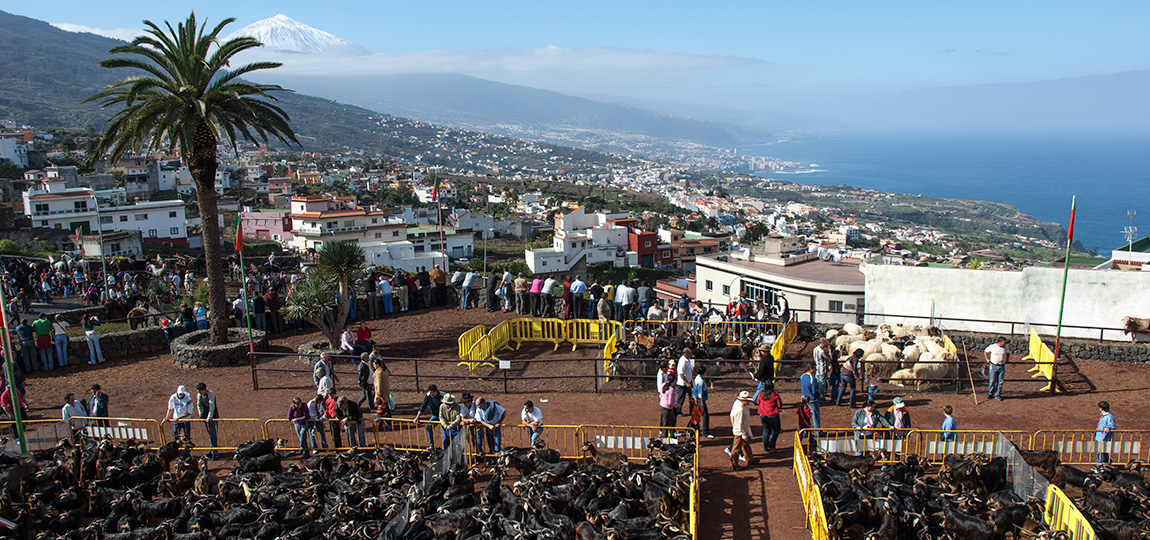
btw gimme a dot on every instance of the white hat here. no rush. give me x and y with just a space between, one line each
181 390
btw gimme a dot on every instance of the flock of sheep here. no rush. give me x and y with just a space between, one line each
898 353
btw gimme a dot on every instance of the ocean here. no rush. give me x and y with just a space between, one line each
1036 174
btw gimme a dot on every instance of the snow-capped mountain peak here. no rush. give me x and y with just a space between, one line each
282 33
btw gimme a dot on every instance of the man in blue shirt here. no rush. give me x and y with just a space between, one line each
1104 432
578 287
813 390
948 424
490 415
431 402
27 337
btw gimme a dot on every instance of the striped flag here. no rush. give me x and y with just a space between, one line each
1070 229
239 235
78 244
435 187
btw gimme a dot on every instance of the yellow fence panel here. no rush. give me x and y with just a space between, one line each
1078 447
1043 358
934 445
38 434
580 331
549 330
949 346
788 334
859 440
141 430
230 432
1062 514
632 441
809 492
400 433
467 340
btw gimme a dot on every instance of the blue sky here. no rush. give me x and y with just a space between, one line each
801 56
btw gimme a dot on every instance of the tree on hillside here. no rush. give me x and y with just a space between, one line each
315 299
185 99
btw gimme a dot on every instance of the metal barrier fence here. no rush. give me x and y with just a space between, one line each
810 493
1062 514
632 441
1078 447
1043 359
589 331
38 434
733 332
467 340
934 445
862 441
230 432
790 331
141 430
549 330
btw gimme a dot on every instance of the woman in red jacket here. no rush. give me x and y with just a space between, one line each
769 404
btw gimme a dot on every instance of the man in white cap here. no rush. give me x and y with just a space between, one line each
741 428
180 409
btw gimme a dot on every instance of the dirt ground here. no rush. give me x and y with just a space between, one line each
761 502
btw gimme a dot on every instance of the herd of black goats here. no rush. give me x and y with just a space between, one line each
100 489
970 498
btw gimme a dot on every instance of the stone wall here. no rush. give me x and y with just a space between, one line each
194 349
73 316
119 345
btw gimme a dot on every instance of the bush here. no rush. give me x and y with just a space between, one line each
8 247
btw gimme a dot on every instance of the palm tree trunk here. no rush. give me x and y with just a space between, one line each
202 165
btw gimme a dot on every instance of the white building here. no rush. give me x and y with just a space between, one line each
52 205
447 192
116 244
582 239
14 149
482 224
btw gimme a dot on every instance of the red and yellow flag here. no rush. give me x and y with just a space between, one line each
239 234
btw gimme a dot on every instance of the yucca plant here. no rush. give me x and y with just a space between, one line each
322 297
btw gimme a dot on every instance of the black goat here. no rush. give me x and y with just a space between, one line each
253 449
962 525
847 462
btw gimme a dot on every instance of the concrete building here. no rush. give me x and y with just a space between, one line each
116 244
457 243
269 224
816 290
685 246
1132 256
482 224
583 238
13 148
162 223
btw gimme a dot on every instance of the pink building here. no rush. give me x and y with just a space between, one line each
270 224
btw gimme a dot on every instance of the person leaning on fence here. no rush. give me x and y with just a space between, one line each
330 413
300 418
467 414
315 410
811 390
490 415
206 406
949 425
898 416
867 419
996 355
73 408
431 402
98 405
532 419
450 419
350 417
180 408
1104 433
665 386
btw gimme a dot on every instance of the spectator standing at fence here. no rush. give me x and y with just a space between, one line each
206 406
450 419
95 353
1104 433
813 391
847 372
27 336
522 295
423 278
534 296
350 417
384 287
324 363
532 419
6 403
439 278
949 425
73 408
603 309
300 418
867 419
399 285
547 297
996 355
823 359
804 417
578 289
98 405
43 328
466 289
655 312
568 299
330 408
741 429
700 413
315 410
594 293
180 408
684 374
770 404
431 402
507 285
467 414
665 387
645 295
490 415
898 416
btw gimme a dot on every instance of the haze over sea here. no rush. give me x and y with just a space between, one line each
1037 174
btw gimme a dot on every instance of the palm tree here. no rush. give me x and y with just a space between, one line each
313 299
185 99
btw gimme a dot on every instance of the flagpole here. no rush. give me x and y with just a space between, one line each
10 371
244 287
439 219
1065 276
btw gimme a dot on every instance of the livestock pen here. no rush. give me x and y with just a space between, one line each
888 447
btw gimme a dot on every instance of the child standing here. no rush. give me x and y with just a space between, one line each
871 386
804 412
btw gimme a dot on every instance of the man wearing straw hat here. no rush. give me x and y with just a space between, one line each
741 429
450 418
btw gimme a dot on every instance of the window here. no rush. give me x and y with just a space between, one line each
42 208
647 244
726 290
710 285
276 237
379 235
836 305
114 247
666 254
171 214
349 223
105 219
141 217
123 218
394 233
175 231
374 220
152 233
81 206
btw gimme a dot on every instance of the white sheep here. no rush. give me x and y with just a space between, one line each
889 351
868 347
853 329
832 333
910 354
879 364
901 376
841 342
934 368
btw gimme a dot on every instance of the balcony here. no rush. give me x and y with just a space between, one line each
304 230
63 212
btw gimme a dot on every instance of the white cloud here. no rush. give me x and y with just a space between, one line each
126 34
583 60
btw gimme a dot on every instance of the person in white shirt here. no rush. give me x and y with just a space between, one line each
656 312
685 371
180 409
996 355
315 410
467 417
532 419
72 408
548 296
741 429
